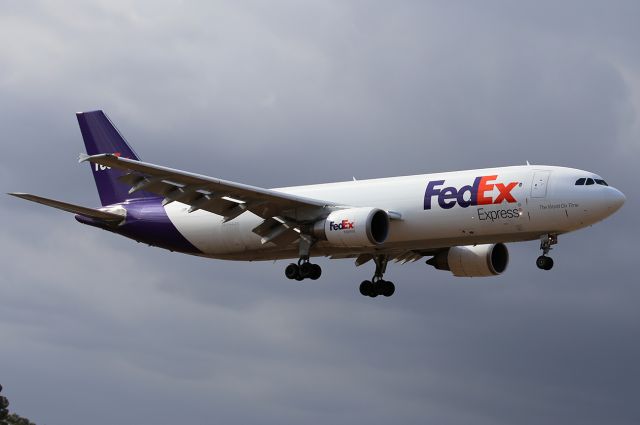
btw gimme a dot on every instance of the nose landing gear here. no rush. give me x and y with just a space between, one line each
377 285
543 262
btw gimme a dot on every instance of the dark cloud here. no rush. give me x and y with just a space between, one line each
102 330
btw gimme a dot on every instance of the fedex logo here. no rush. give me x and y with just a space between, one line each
343 225
479 193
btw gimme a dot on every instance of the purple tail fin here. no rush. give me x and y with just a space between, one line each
101 136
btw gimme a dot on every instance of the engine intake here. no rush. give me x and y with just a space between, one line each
473 260
354 227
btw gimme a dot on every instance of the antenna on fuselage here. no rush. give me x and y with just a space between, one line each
528 163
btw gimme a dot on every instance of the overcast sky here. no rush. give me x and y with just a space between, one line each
96 329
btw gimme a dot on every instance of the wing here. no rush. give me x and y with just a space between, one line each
282 212
218 196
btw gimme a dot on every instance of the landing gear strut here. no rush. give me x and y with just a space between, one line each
304 269
378 286
543 262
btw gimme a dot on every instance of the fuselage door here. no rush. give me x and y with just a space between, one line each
539 184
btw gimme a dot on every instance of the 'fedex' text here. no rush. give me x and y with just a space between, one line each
343 225
479 193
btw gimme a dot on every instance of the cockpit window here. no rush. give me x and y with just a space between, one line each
589 181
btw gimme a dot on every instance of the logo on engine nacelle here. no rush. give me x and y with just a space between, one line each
343 225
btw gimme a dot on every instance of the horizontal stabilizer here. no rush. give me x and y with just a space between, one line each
76 209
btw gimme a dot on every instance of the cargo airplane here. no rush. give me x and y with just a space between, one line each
460 220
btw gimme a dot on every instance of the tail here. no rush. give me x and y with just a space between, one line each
101 136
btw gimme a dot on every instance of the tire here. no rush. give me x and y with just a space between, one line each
292 271
387 288
545 263
306 270
316 272
541 262
366 288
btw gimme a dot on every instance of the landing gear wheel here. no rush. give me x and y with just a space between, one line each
306 269
545 263
379 287
366 288
387 288
303 271
316 272
549 263
292 271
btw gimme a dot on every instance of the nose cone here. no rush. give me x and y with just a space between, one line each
616 200
602 204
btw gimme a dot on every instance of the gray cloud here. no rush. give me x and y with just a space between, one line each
102 330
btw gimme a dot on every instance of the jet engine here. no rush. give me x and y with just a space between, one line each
473 260
354 227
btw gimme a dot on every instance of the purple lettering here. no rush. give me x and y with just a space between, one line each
431 192
464 203
446 194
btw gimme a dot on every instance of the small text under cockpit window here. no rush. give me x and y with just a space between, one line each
602 182
580 182
590 181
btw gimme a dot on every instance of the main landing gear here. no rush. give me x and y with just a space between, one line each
378 286
543 262
304 269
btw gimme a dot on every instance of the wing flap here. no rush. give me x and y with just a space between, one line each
277 231
408 257
72 208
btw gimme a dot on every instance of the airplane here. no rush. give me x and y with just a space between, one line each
460 220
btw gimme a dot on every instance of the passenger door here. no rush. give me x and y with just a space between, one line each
539 184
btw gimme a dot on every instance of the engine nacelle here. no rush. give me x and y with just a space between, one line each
473 260
354 227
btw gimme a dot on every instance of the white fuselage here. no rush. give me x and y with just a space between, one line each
531 201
